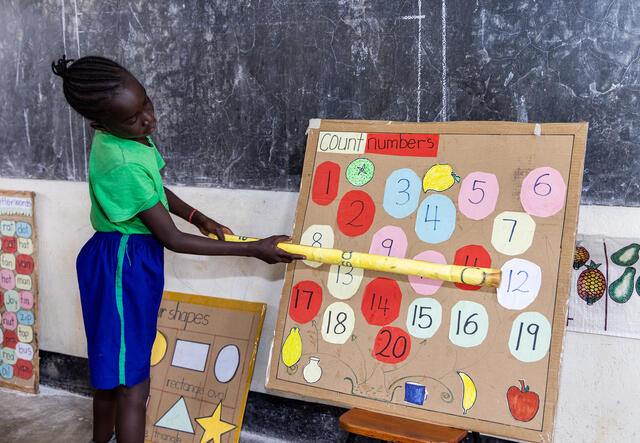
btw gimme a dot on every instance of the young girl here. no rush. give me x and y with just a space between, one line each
120 269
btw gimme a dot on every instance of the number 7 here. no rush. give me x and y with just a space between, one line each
515 222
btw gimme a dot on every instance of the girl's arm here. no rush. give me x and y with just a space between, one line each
159 222
198 219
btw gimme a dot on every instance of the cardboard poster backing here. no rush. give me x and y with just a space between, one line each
25 372
351 376
202 363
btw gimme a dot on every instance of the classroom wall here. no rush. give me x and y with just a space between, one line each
598 392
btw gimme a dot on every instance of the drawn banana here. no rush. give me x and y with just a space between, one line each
468 392
439 178
292 348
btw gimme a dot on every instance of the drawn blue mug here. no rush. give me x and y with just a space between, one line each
415 393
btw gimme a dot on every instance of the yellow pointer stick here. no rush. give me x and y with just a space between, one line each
453 273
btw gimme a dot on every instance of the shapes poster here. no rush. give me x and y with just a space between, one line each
605 287
486 194
201 366
19 367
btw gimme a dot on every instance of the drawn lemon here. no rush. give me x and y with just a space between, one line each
439 178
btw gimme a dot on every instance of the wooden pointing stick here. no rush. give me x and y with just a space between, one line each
453 273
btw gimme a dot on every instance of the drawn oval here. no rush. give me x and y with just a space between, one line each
227 363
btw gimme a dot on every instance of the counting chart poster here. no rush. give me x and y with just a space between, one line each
488 194
19 368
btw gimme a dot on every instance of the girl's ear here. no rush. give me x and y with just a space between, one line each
98 126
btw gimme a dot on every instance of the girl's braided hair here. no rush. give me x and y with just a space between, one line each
88 82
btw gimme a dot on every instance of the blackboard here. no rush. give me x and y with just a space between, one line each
235 82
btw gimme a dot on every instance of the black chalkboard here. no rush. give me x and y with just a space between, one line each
234 82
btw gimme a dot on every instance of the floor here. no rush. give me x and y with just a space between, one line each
53 416
57 416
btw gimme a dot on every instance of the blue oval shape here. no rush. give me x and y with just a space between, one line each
402 193
436 219
25 318
23 229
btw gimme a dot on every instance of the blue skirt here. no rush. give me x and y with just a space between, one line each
121 278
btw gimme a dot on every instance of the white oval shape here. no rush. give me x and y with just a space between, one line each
319 236
227 363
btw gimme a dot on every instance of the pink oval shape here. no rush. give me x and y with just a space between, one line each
390 241
478 195
9 320
7 280
26 300
427 286
543 192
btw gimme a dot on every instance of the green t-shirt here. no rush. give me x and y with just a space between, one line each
124 179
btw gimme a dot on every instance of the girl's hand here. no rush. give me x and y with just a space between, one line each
268 251
208 226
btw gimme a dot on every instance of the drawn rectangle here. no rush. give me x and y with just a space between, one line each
190 355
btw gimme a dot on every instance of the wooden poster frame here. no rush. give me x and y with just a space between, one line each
159 372
572 201
21 384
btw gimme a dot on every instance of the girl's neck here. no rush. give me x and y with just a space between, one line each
144 140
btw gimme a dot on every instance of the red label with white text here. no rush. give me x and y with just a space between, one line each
406 145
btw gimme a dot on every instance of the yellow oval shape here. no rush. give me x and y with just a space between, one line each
292 348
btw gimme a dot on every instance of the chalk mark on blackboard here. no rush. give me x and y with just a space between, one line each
445 94
75 12
26 125
418 17
419 57
136 17
18 63
84 129
64 26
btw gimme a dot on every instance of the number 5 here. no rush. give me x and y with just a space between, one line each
474 188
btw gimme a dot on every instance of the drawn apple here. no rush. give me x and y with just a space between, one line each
523 403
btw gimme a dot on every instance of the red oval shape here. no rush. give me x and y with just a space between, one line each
355 213
325 183
381 301
24 264
23 369
306 299
392 345
10 339
471 255
9 245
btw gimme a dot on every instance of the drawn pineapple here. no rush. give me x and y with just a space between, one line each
591 283
580 257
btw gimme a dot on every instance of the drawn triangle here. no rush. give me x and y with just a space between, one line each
176 418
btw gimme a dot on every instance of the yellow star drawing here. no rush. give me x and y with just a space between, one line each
213 426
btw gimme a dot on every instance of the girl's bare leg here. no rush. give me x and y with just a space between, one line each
104 414
131 409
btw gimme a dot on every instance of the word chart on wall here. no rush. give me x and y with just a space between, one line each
19 367
485 194
201 366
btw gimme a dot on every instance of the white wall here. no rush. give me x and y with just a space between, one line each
599 377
